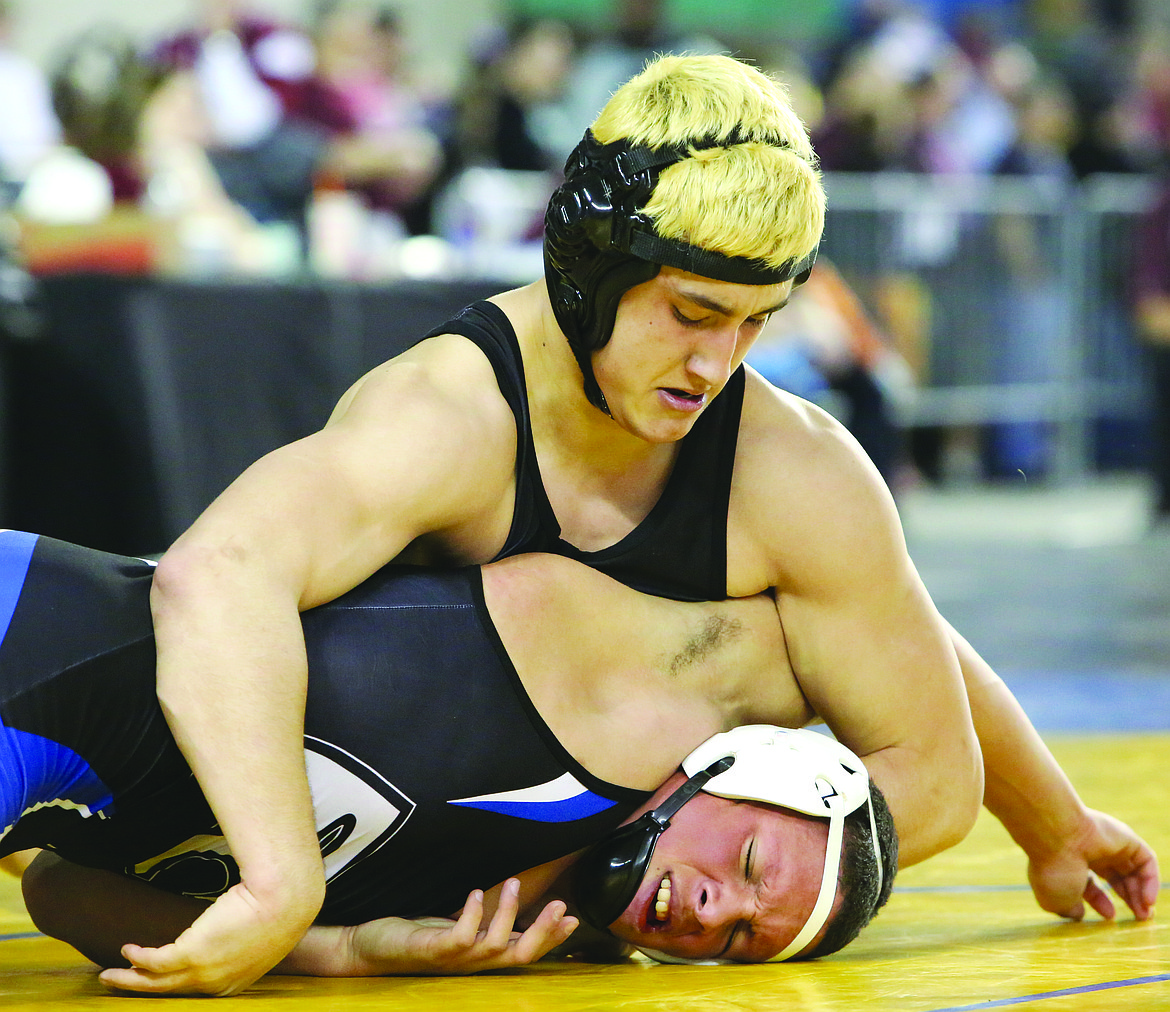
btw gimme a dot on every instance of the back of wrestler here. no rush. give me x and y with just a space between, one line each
418 730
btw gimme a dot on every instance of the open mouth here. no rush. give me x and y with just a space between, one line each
684 395
658 912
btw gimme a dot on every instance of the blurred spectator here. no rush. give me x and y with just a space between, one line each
1152 314
28 126
1030 298
136 191
517 75
251 71
1144 115
1071 39
253 78
100 87
500 171
382 144
825 341
905 96
69 212
205 231
76 210
853 134
613 56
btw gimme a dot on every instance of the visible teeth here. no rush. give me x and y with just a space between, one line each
662 901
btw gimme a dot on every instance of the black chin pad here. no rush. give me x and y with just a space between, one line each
607 876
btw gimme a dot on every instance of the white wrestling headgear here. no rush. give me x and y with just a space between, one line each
795 768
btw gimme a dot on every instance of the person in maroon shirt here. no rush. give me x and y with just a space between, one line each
1152 315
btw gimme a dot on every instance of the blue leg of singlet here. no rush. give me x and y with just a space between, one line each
16 549
35 771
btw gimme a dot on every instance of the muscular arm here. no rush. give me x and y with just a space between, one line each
417 448
866 644
898 685
1030 794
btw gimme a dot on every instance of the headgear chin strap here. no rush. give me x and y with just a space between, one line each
598 244
794 768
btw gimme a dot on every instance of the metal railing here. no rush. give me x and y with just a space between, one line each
1012 296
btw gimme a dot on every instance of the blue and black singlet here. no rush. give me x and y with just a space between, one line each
432 773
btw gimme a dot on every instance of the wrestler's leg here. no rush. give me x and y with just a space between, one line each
96 911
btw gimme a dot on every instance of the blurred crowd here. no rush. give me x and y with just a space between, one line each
248 120
242 144
239 120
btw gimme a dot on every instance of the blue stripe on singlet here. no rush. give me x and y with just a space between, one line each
16 549
36 771
569 810
564 799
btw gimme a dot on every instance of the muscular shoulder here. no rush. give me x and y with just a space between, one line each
433 423
805 499
445 374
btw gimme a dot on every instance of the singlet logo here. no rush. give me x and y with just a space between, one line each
565 799
358 811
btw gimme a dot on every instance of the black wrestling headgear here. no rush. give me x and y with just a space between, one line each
598 245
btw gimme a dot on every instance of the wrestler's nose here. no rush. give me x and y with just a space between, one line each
718 905
711 360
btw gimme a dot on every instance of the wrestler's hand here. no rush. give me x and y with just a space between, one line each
1109 849
229 946
436 945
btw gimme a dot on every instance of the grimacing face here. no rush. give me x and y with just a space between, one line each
729 880
677 339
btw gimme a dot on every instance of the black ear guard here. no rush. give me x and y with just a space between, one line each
607 877
598 245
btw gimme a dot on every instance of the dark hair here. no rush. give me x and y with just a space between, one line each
858 878
100 87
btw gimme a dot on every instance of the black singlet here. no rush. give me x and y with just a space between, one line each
432 773
680 549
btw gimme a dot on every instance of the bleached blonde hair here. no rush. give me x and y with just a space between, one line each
758 196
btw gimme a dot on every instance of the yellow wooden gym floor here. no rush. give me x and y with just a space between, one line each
960 932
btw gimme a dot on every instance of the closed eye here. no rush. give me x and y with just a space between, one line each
741 932
755 322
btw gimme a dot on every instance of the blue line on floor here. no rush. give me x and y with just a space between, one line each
1021 887
20 934
1018 888
1084 989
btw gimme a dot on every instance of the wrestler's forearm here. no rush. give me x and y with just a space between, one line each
231 680
908 782
323 951
97 912
1024 786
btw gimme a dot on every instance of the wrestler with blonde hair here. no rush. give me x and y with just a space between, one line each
603 413
756 195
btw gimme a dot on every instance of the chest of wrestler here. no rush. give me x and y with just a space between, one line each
662 533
